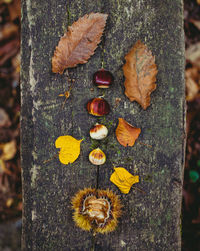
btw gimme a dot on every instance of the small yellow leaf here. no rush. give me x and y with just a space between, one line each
9 202
70 149
123 179
8 150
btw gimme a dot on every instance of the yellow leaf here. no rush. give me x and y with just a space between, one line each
8 150
9 202
70 149
123 179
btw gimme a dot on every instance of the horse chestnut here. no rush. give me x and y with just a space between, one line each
98 107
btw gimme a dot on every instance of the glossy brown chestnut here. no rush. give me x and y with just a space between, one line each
98 107
103 78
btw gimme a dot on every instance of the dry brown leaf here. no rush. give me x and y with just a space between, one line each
8 31
8 50
126 133
14 9
4 118
192 76
79 43
193 54
140 71
196 22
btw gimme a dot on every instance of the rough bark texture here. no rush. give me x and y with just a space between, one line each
151 220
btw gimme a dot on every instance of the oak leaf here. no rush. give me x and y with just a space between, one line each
126 133
70 149
123 179
79 42
140 71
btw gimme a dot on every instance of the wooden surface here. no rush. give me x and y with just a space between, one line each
151 220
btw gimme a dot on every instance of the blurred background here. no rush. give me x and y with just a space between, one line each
10 170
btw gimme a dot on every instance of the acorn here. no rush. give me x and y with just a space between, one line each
98 131
98 107
103 78
97 157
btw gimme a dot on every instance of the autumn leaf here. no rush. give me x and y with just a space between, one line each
79 42
126 133
70 149
123 179
8 150
140 71
192 83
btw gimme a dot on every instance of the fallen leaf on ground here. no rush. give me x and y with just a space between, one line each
14 9
70 149
8 31
196 22
193 54
9 202
4 118
8 50
126 133
8 150
140 71
192 76
79 43
123 179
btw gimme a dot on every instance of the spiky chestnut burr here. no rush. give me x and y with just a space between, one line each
96 210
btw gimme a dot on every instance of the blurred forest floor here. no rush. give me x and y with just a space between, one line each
191 186
10 170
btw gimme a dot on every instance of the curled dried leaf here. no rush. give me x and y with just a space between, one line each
126 133
140 71
123 179
79 42
70 149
